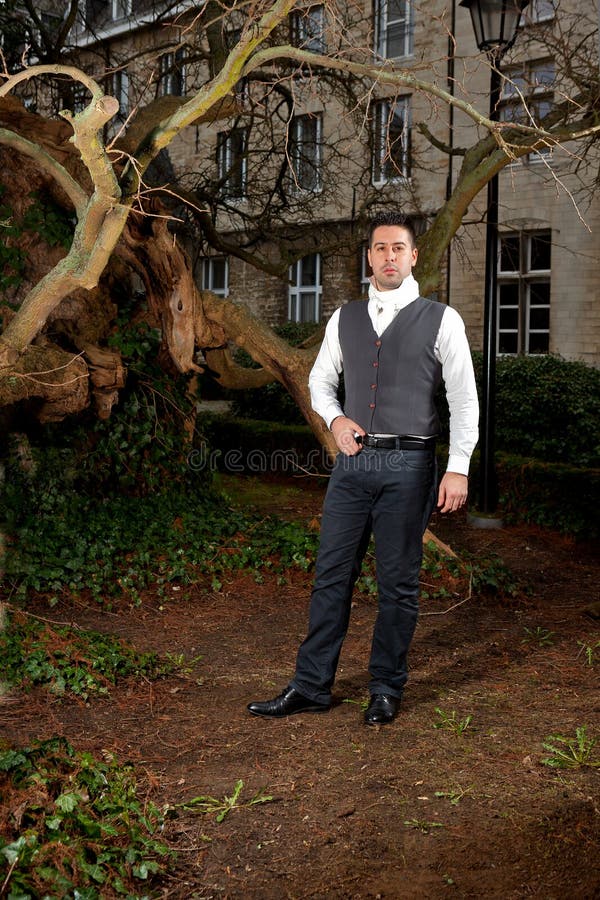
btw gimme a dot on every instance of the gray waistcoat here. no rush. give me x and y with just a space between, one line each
391 381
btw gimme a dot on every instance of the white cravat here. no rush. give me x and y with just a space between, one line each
385 305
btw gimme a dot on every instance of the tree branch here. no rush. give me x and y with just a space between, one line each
48 164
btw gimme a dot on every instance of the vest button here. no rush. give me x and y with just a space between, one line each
375 364
371 406
378 343
373 387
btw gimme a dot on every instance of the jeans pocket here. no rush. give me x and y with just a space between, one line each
418 459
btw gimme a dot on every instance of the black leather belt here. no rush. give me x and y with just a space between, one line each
397 442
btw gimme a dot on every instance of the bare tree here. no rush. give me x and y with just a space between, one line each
130 207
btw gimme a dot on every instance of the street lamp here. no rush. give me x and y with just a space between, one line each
495 24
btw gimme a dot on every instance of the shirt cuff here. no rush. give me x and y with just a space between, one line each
458 464
331 413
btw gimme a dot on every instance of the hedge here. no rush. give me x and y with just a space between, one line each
554 495
546 407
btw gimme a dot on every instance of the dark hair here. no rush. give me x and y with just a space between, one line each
392 217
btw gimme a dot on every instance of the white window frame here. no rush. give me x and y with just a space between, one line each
365 270
208 275
524 278
168 74
521 80
297 291
383 113
81 98
120 9
308 29
538 11
119 88
226 162
306 148
384 24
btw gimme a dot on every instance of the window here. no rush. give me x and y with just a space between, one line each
308 29
391 140
538 11
215 275
304 296
527 93
365 270
96 11
15 41
172 74
304 152
120 9
117 85
393 28
232 161
100 12
51 24
524 260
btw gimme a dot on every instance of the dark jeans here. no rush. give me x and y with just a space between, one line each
392 493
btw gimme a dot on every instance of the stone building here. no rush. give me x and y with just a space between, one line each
336 162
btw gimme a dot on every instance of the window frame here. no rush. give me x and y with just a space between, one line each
172 72
116 84
120 10
228 160
521 77
297 290
208 275
382 26
535 15
365 269
306 32
525 278
298 140
383 114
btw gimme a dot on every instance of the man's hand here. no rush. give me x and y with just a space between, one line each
453 492
343 431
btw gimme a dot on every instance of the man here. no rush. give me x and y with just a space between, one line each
393 349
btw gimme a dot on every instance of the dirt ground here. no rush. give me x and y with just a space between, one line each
406 810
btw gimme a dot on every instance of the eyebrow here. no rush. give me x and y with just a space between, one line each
392 243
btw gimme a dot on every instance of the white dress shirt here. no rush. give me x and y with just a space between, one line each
451 349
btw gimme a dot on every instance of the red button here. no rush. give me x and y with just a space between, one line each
375 364
378 343
373 387
371 406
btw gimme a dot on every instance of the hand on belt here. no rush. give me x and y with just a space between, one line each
396 442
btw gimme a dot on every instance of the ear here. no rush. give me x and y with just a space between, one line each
414 256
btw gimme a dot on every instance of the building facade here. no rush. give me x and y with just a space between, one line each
294 169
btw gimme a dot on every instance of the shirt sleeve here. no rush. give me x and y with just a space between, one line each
461 392
324 377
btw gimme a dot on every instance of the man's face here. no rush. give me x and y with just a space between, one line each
391 256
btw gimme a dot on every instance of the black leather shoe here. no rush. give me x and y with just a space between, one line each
287 703
382 709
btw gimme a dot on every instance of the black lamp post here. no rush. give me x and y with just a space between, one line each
495 24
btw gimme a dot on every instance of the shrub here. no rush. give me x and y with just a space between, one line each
69 660
549 408
553 495
546 407
72 825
